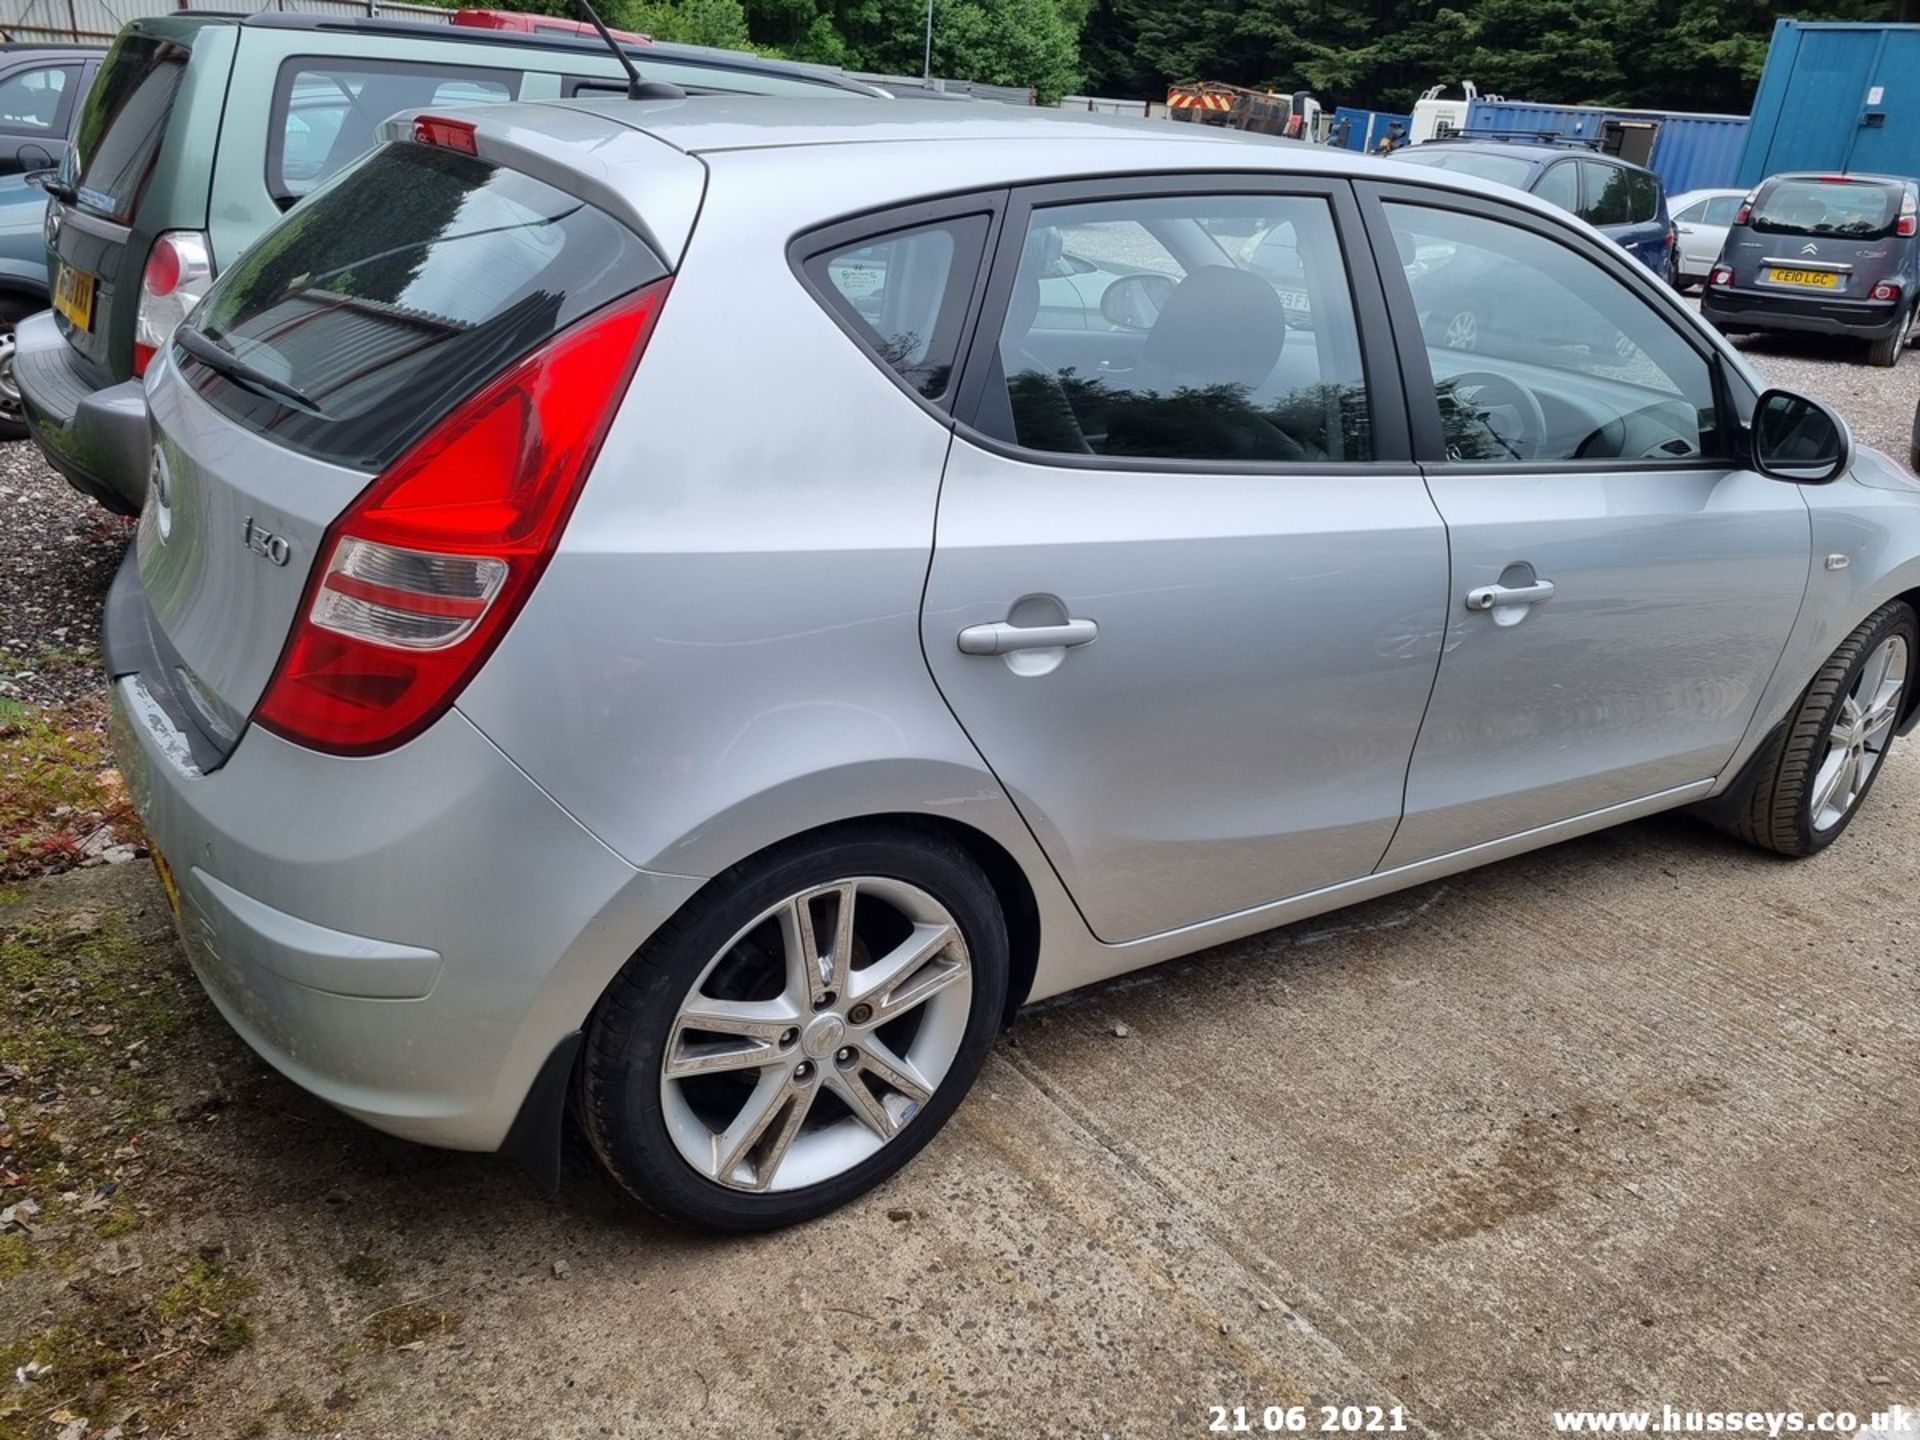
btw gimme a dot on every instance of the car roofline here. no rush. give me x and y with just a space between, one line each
700 56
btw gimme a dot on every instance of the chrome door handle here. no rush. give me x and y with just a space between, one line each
1000 638
1489 597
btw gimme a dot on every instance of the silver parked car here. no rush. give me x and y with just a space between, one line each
644 609
1701 219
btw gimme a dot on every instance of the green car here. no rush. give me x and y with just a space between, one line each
200 130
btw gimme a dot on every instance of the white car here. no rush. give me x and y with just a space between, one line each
1700 222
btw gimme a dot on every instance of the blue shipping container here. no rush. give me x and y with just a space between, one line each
1366 128
1690 152
1838 97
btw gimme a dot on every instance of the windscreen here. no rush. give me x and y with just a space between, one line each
1504 169
1844 209
389 296
124 121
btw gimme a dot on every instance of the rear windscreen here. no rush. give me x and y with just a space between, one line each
124 121
389 296
327 112
1503 169
1825 207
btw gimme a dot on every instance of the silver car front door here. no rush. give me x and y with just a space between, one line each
1187 593
1622 588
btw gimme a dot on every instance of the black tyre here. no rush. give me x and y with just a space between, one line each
799 1031
13 419
1886 352
1825 761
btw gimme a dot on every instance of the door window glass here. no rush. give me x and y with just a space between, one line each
1560 185
1608 201
905 294
30 100
1643 196
1215 328
1538 353
327 114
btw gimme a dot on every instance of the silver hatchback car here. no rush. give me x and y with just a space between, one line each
689 613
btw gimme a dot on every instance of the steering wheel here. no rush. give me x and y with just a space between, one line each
1506 410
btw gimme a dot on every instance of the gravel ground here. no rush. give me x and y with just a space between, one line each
58 553
1877 403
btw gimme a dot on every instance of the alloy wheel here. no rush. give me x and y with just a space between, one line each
816 1035
11 410
1860 733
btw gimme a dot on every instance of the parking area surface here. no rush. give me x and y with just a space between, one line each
1624 1122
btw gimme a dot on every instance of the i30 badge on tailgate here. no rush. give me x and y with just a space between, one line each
264 542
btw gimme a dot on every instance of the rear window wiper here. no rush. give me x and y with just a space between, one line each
215 356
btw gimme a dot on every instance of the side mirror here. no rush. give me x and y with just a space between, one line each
1133 301
1798 439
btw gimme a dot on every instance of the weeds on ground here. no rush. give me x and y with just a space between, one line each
95 1326
60 796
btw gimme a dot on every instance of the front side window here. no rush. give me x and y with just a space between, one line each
905 294
1183 328
30 100
1540 354
1560 185
327 113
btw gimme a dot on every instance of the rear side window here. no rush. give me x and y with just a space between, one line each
124 122
1837 208
327 113
1722 208
1215 328
384 301
903 295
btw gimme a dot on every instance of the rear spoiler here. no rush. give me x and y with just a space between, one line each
646 184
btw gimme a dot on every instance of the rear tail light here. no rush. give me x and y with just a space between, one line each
1886 291
1909 225
1721 275
426 569
179 270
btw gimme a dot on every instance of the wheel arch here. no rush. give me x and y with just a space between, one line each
1012 887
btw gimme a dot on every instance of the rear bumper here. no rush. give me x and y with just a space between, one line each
96 438
1754 309
409 936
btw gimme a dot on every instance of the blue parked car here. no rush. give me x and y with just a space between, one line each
1624 202
40 90
23 284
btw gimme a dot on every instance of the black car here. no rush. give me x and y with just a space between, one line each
1823 255
41 87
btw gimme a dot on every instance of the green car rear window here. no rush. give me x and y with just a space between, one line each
124 121
397 291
